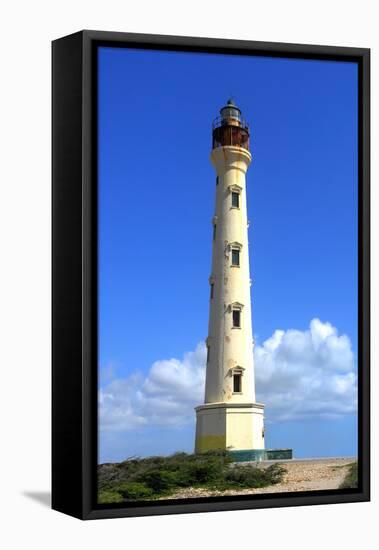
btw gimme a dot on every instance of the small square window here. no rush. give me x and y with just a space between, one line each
236 318
235 257
237 383
235 199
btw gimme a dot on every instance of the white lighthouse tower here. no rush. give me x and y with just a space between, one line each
230 418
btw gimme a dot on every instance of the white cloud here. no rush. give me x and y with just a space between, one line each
309 373
299 374
167 396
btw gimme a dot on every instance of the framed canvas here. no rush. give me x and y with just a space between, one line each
200 186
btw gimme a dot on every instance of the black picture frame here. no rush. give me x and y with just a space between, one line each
74 273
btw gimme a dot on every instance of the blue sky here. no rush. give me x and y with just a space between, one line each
156 197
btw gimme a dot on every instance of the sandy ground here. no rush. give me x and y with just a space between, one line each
302 475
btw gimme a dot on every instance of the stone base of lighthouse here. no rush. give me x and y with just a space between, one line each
234 427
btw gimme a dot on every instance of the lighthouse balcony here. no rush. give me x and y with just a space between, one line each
229 132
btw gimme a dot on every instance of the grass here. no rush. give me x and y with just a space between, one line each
156 477
341 466
351 478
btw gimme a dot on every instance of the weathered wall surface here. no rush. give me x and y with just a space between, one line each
235 427
230 347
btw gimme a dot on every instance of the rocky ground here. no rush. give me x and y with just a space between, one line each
301 475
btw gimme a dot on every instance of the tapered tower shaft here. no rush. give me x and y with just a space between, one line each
230 369
230 418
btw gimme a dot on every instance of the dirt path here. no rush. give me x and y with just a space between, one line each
302 475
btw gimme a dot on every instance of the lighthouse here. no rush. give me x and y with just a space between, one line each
230 419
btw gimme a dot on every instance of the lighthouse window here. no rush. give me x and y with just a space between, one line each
235 199
214 232
235 257
237 383
236 318
217 180
212 290
207 355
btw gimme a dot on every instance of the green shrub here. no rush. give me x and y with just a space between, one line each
274 474
204 469
159 481
148 478
249 476
109 497
198 472
351 479
245 476
135 491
